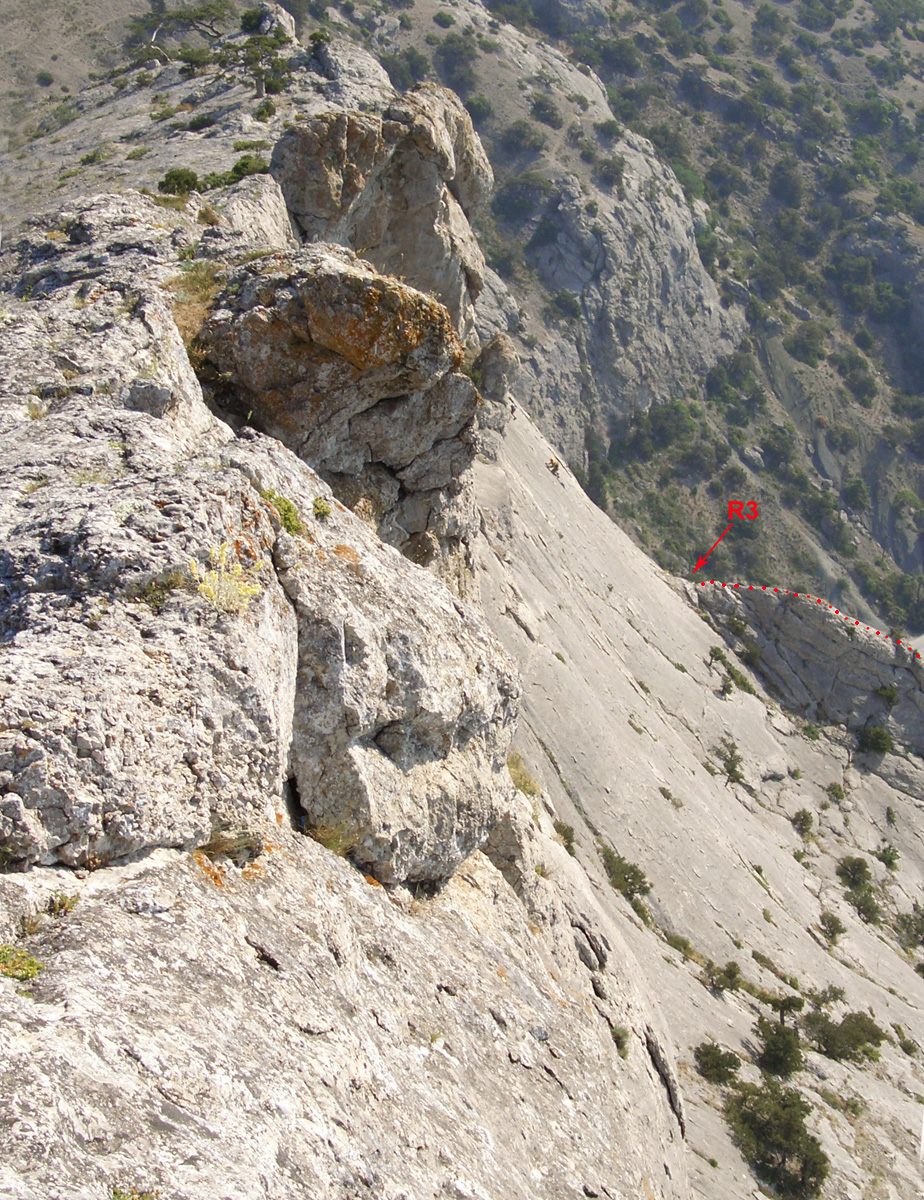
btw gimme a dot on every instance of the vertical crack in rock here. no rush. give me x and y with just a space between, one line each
665 1072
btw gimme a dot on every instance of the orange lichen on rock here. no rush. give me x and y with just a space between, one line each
346 553
214 872
375 321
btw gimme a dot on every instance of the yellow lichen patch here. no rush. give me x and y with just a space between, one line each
372 881
346 553
212 870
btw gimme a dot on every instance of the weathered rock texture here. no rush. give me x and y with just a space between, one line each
289 1029
355 372
825 665
230 1001
399 187
368 704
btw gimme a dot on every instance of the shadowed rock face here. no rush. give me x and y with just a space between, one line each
399 188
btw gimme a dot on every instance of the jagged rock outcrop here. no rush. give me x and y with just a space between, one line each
125 478
400 188
354 371
645 316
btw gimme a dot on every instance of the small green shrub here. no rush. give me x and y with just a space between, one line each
626 877
874 739
544 109
620 1035
61 904
44 79
722 979
836 792
887 855
811 732
521 136
714 1064
780 1052
480 109
855 1038
179 181
321 508
288 514
731 760
566 833
853 871
767 1123
443 19
889 693
17 964
802 822
832 927
265 110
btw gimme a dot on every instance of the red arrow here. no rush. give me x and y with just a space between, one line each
710 550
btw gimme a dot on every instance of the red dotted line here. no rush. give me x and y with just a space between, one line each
808 596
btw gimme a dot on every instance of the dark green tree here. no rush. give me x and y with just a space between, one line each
780 1052
768 1124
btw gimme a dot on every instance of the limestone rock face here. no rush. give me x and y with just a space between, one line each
354 371
650 318
203 657
255 209
124 478
292 1028
400 188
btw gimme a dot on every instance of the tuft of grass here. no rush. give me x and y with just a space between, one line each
154 593
17 964
61 904
523 781
195 290
321 508
620 1035
566 833
339 838
232 842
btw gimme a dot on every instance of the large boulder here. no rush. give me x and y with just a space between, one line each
355 372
